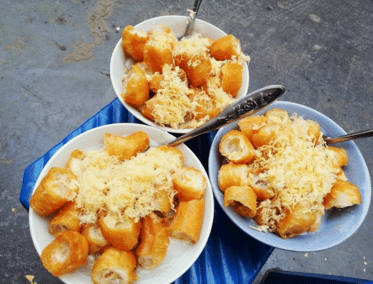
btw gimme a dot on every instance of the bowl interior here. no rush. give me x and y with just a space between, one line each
177 24
180 256
336 225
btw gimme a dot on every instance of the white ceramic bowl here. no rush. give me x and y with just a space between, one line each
336 225
177 24
180 256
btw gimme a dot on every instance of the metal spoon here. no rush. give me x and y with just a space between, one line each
192 19
348 137
248 105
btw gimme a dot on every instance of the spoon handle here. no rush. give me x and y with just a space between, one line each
351 136
248 105
192 18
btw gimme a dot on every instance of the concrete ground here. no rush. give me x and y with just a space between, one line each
54 75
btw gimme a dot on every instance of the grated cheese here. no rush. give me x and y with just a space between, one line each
171 101
161 38
216 66
221 98
123 188
172 105
192 47
298 170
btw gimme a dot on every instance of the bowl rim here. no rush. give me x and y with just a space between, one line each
161 137
114 79
300 244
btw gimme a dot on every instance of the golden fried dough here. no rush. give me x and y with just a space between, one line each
187 223
236 147
133 42
342 194
225 48
122 232
115 266
189 184
297 221
250 125
95 239
242 199
136 88
231 174
66 253
54 191
231 80
67 219
125 147
154 242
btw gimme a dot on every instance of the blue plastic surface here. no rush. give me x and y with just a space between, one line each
230 256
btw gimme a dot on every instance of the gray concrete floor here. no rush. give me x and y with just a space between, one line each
54 59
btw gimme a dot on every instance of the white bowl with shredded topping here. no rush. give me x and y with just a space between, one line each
180 255
337 224
119 64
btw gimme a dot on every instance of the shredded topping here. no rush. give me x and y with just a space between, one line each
172 103
193 47
123 188
296 169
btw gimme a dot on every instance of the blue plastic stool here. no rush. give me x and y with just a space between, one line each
279 276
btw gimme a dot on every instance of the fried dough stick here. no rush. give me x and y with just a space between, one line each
242 199
114 266
123 233
133 42
95 239
154 242
67 219
342 194
128 146
236 147
188 220
55 190
232 174
190 184
65 254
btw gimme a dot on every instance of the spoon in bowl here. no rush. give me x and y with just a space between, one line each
248 105
192 19
348 137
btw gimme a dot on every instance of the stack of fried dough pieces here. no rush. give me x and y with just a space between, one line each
181 84
280 172
121 220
